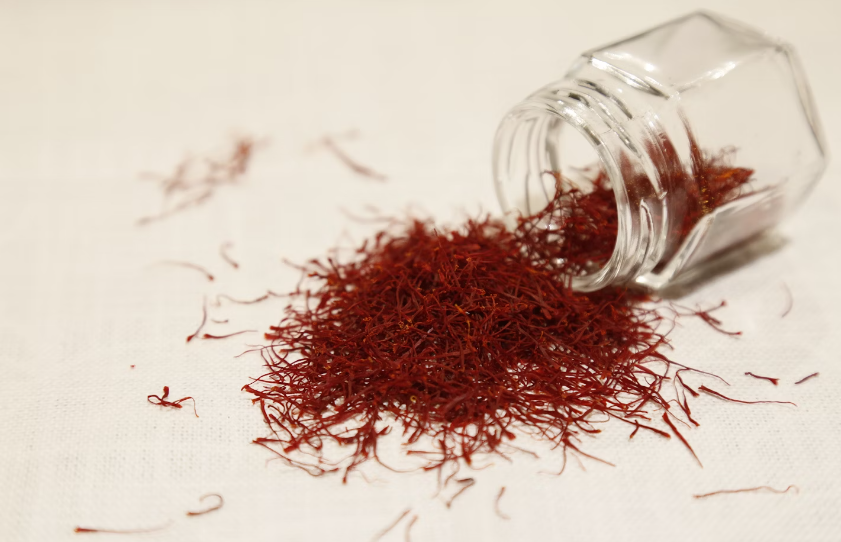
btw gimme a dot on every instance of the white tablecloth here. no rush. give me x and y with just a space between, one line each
92 93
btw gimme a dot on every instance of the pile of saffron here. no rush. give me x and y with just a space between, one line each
462 337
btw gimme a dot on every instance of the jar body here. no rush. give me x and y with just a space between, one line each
646 109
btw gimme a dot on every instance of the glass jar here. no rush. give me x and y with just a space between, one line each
650 111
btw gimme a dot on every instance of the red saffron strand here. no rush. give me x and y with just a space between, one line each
209 336
223 252
203 321
720 396
409 527
773 381
467 483
87 530
164 402
496 504
189 265
681 438
213 508
802 380
746 490
391 525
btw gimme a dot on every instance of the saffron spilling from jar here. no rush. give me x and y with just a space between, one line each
460 337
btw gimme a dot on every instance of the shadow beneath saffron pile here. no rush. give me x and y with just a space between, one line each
739 256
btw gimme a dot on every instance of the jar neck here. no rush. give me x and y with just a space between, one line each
631 147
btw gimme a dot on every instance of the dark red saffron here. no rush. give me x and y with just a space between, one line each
804 379
164 402
496 504
189 265
720 396
223 253
203 322
216 506
681 437
773 381
464 335
88 530
746 490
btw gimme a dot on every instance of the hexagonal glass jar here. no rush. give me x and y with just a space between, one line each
637 107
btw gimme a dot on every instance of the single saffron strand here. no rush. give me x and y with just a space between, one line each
409 528
467 483
773 381
720 396
209 336
162 401
224 254
496 504
679 436
87 530
392 525
746 490
355 166
189 265
243 302
203 321
789 301
802 380
213 508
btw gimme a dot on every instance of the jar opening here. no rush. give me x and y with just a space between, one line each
552 167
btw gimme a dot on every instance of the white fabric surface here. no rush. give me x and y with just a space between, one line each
93 92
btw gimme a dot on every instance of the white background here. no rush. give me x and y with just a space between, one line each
94 93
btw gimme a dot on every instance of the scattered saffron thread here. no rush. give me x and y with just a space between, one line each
203 321
496 504
773 381
263 297
330 144
720 396
84 530
746 490
391 525
213 508
680 436
162 401
193 182
789 301
802 380
209 336
189 265
466 483
409 527
223 252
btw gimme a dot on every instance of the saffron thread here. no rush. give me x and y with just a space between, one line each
163 402
216 506
746 490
